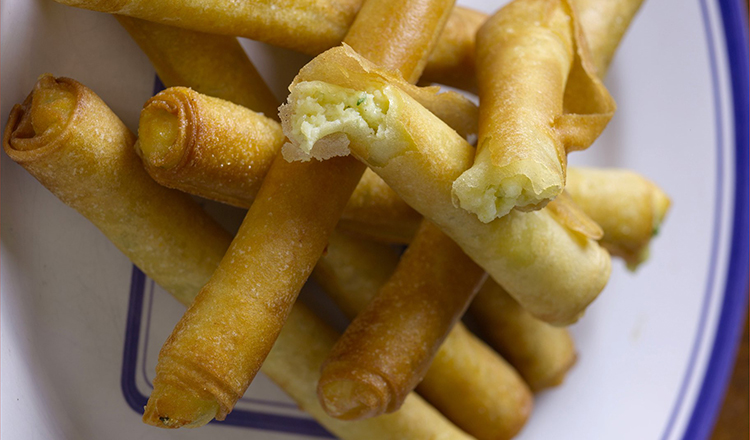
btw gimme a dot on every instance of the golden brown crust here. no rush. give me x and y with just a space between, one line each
222 152
407 46
390 344
77 164
281 238
294 365
231 326
214 65
604 23
309 26
485 395
467 381
453 59
541 353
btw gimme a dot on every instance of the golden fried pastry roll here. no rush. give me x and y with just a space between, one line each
629 208
552 270
604 24
220 343
408 59
70 141
452 62
370 369
293 364
213 148
204 367
540 99
309 26
543 354
467 381
214 65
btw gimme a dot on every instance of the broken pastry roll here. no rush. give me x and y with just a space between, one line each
540 98
69 140
548 261
467 381
628 207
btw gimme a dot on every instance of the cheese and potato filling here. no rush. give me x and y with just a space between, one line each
326 117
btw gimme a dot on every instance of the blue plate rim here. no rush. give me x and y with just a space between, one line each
735 302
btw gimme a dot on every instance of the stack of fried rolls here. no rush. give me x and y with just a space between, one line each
273 253
70 141
412 138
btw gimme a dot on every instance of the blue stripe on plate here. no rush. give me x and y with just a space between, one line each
734 307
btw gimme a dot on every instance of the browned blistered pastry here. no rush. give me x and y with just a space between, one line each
70 141
541 98
252 291
386 350
467 381
294 365
553 270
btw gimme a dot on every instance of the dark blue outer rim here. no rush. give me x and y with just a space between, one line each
734 307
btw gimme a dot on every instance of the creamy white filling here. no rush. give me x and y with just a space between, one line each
319 113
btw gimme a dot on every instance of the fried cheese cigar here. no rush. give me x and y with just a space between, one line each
629 208
604 24
70 141
307 340
214 65
541 98
453 60
67 138
308 26
541 353
212 147
370 369
467 381
283 235
548 264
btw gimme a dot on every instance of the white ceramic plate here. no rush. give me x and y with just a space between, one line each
81 328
